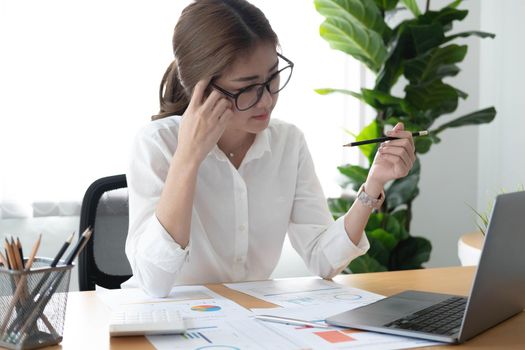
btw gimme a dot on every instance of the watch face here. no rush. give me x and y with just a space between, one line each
374 203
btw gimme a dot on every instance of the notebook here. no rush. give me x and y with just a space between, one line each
497 293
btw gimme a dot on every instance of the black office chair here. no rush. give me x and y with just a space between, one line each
105 209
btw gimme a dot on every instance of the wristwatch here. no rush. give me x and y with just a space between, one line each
374 203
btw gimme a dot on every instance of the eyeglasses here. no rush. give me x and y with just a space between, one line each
249 96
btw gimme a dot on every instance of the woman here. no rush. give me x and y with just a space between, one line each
215 183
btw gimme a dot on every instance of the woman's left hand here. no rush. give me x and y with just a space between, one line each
394 158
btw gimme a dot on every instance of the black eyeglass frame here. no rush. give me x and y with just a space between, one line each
260 91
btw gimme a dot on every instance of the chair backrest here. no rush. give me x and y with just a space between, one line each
105 209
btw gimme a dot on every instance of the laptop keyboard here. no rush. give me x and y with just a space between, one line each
443 318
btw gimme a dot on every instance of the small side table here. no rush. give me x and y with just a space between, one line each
469 248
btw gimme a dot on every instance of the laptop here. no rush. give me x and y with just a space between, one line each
497 293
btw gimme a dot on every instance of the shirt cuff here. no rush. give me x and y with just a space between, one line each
158 248
346 250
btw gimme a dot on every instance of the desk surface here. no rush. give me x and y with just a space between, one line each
86 317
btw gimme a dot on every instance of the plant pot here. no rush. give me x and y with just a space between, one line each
469 248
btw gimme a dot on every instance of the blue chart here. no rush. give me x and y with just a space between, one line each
319 298
347 296
212 337
196 335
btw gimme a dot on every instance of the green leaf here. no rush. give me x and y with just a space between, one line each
443 17
403 219
388 240
434 137
437 97
339 206
378 250
410 253
461 94
364 13
374 221
426 68
455 4
386 5
370 131
469 33
479 117
422 144
378 99
405 189
410 41
355 174
383 101
363 44
402 191
393 226
448 70
327 91
364 264
412 6
426 37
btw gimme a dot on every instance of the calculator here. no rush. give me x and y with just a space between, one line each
139 322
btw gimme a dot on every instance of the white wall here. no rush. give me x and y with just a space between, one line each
449 171
501 145
472 164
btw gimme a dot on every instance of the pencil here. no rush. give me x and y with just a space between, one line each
21 289
20 251
10 255
42 294
31 258
62 250
3 260
383 139
6 256
16 253
290 321
78 247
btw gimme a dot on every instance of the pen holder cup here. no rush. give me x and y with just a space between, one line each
33 305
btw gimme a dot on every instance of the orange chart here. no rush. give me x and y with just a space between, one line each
336 336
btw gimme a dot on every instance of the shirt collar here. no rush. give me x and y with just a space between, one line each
260 145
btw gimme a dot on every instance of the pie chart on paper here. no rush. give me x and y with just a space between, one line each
205 308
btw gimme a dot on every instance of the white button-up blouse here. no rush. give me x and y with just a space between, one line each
240 216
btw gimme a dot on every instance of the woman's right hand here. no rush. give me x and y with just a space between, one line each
203 122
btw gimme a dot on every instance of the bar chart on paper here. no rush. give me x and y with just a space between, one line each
312 338
237 334
307 292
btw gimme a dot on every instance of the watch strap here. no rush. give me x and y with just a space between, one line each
368 201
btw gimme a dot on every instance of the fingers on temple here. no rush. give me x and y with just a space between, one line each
222 108
198 91
212 100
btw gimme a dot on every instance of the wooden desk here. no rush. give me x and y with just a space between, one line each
86 317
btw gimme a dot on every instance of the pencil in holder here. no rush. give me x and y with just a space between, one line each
33 305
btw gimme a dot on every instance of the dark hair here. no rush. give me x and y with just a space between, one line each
208 37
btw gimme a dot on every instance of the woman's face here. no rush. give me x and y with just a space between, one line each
256 67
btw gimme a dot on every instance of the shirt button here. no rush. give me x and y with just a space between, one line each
242 228
238 260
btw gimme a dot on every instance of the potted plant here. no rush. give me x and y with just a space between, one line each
422 50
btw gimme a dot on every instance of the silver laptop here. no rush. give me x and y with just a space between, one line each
498 291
